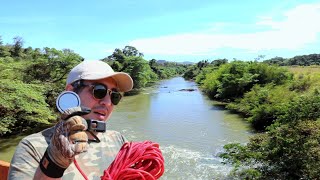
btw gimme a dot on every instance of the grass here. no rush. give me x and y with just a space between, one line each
304 69
307 74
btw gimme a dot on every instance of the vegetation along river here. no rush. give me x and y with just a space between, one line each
191 131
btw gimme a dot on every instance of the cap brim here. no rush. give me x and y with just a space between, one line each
123 80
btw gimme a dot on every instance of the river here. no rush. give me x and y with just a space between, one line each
191 131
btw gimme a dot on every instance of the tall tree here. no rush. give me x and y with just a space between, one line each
139 70
16 50
119 55
131 51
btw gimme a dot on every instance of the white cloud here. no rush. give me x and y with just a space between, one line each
298 27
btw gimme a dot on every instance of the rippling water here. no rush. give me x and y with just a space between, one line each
191 131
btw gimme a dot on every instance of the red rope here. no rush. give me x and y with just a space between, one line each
80 170
135 160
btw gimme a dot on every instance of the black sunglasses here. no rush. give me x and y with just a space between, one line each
99 91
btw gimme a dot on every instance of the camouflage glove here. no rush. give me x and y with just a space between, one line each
68 140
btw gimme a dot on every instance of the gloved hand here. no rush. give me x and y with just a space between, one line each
68 140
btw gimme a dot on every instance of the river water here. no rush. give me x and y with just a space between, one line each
191 131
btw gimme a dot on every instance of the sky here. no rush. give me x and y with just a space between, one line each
172 30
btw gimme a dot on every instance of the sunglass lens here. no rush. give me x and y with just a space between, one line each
115 97
99 91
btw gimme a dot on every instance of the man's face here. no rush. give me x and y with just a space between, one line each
101 109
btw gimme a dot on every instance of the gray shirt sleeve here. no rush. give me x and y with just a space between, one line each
26 158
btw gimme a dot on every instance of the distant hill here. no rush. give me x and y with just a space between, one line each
184 62
161 61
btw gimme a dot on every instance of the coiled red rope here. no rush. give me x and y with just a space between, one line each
135 160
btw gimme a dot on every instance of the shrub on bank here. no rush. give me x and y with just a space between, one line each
291 151
233 80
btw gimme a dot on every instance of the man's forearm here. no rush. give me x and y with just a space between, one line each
40 175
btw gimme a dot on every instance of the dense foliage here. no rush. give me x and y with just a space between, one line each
283 106
23 106
131 61
31 79
303 60
290 151
202 68
234 79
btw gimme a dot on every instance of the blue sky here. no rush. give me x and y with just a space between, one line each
168 29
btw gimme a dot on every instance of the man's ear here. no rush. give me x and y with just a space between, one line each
69 87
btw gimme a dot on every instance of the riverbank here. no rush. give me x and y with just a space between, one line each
8 146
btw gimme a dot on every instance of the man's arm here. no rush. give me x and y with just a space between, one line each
35 159
25 162
27 156
39 175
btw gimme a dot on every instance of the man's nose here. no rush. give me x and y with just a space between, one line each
106 100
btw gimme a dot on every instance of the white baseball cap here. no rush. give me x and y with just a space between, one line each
95 70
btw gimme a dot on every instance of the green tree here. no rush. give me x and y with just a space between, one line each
53 68
153 63
119 55
131 51
191 72
28 53
17 47
277 60
139 70
22 107
116 66
36 54
202 64
219 62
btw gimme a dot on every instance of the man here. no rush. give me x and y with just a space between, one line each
50 154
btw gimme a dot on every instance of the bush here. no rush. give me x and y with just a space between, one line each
291 151
233 80
263 105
